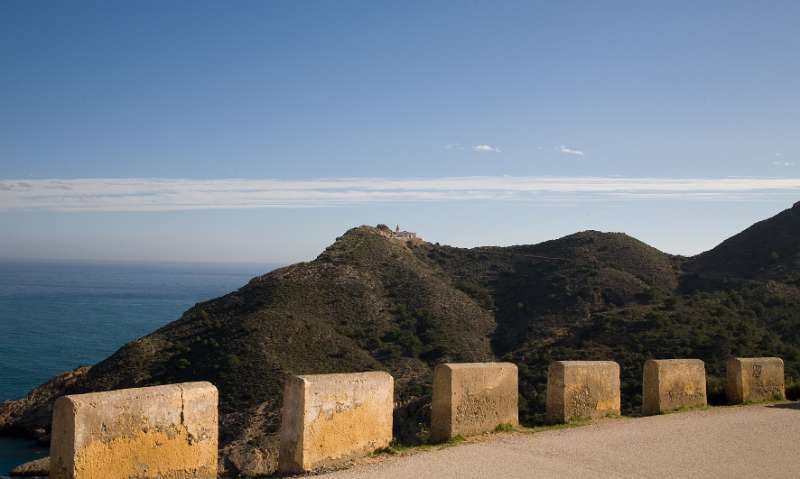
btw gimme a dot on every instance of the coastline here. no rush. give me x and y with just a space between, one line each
56 315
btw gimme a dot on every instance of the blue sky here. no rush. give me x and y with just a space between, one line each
370 95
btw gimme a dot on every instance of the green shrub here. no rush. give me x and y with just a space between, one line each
504 427
233 361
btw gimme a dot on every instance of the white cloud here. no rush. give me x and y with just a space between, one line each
164 194
486 149
570 151
786 164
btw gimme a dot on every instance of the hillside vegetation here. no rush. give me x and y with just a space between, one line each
371 302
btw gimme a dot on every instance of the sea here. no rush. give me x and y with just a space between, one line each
58 315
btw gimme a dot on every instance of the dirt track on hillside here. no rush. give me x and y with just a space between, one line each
737 442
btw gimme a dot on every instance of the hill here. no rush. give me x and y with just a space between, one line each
769 249
371 301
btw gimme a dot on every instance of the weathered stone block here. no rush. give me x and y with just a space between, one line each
755 379
472 398
330 418
670 384
153 432
582 389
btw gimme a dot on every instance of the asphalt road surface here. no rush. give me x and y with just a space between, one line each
738 442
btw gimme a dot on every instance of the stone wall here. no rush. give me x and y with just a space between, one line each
328 419
755 379
471 398
670 384
154 432
582 389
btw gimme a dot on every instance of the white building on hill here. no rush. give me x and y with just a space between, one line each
406 235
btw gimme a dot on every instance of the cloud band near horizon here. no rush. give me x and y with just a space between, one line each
163 194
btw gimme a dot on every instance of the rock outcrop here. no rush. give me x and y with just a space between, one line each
37 468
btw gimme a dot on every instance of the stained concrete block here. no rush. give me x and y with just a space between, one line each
471 398
582 389
754 380
153 432
670 384
328 419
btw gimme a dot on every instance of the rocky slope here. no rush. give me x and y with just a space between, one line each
373 302
769 249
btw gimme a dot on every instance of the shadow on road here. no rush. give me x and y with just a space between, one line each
791 405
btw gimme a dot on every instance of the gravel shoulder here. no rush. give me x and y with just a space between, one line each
732 442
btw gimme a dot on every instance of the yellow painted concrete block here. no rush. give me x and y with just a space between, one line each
328 419
153 432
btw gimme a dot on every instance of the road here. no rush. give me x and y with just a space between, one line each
737 442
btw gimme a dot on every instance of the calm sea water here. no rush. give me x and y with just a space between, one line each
57 315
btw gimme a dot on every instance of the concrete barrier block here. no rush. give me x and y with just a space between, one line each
670 384
582 389
328 419
153 432
755 379
471 398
